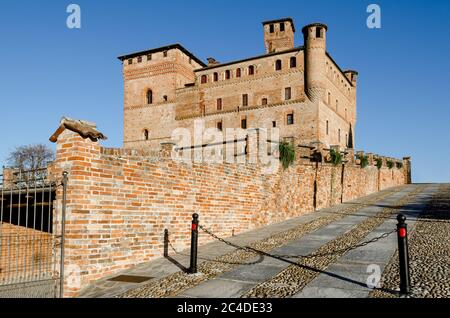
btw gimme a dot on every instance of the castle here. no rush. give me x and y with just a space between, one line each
118 204
298 89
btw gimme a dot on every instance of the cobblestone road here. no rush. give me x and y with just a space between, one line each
334 241
429 248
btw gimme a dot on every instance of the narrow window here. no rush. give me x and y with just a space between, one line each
274 124
251 70
149 97
346 140
264 101
149 57
290 119
219 125
293 62
216 77
337 105
339 135
245 100
278 65
346 113
219 104
282 27
145 134
130 61
327 128
244 123
204 79
139 59
238 72
227 74
165 53
318 32
287 93
329 98
271 28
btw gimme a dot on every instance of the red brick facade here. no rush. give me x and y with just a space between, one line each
119 202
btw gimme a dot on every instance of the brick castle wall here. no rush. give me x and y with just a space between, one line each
120 201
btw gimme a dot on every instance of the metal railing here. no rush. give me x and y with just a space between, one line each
29 244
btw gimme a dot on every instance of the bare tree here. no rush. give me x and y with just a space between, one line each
31 157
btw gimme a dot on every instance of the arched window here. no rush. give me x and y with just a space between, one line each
293 62
278 65
227 74
238 72
149 97
204 79
146 134
216 77
251 70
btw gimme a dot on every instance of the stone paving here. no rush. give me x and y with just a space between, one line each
345 275
429 251
348 277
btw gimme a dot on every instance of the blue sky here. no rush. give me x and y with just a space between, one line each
49 71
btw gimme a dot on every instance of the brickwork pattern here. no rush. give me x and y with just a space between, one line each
119 202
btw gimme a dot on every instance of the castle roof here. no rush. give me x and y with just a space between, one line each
288 19
299 48
317 24
163 48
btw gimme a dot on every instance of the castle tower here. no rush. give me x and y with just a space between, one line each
151 79
315 37
279 35
352 76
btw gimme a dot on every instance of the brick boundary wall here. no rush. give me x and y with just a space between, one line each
119 202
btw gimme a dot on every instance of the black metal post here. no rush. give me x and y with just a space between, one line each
166 242
403 255
63 232
194 242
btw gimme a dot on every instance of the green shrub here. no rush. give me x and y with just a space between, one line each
379 163
336 157
287 154
399 165
364 161
390 164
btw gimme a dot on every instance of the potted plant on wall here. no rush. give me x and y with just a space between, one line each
335 157
379 163
390 164
287 154
363 161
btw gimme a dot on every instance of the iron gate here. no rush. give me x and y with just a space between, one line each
31 233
